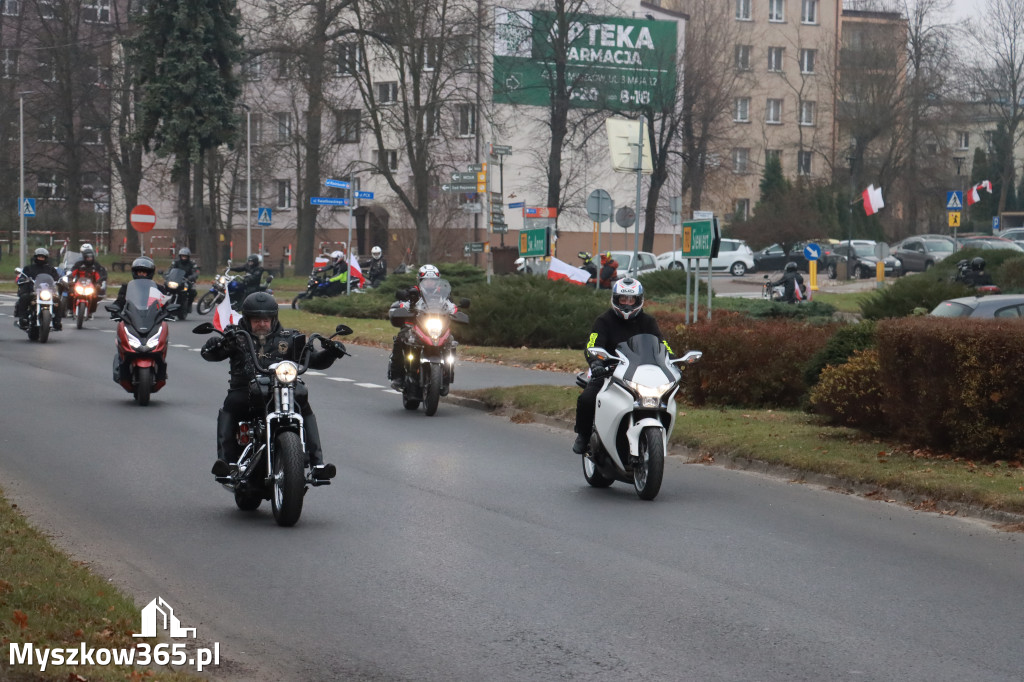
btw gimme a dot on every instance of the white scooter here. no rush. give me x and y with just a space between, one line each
636 411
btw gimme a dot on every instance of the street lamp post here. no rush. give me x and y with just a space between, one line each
22 247
852 160
248 181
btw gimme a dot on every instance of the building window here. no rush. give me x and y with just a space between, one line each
807 58
466 55
48 131
432 121
97 11
740 159
932 148
387 92
387 158
10 8
963 140
803 163
809 12
741 110
252 68
773 112
255 124
773 155
348 125
741 209
348 59
284 126
776 10
467 120
47 69
45 8
806 113
10 64
775 58
49 185
92 135
431 54
284 193
743 10
743 57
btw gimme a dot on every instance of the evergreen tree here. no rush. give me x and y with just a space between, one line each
773 183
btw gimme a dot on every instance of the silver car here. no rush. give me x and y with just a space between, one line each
921 252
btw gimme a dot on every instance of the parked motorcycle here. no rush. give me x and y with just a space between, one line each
44 305
429 345
140 366
318 285
273 461
217 292
179 287
636 412
84 294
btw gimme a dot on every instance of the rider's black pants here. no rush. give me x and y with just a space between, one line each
586 406
236 409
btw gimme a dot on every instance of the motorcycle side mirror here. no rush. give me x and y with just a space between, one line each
342 330
110 308
463 302
689 358
204 328
18 270
172 308
598 353
766 277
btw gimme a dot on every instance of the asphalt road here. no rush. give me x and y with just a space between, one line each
466 547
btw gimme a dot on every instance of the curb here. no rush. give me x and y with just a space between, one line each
782 472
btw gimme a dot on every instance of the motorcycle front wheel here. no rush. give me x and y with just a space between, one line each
144 386
433 392
295 301
80 312
648 473
289 482
206 303
44 325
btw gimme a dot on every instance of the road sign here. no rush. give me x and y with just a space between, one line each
599 205
364 195
328 201
812 251
882 250
518 204
954 218
698 236
954 201
263 216
499 228
481 187
464 177
995 223
338 184
28 208
702 215
501 149
533 243
142 218
625 217
472 207
459 187
477 167
474 247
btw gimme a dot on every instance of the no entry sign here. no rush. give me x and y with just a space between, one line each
143 218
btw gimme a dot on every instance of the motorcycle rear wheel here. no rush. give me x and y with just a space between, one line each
295 301
247 501
289 483
433 392
647 477
206 303
44 325
80 312
590 471
144 386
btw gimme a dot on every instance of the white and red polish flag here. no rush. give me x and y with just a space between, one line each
224 316
873 200
353 266
973 196
559 269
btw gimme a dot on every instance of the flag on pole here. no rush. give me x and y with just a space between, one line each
559 269
872 199
224 316
353 266
973 196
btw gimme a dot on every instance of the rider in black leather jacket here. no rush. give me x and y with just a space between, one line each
40 265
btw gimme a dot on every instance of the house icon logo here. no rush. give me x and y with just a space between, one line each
158 615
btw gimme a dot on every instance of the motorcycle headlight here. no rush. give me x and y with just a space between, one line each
286 372
45 295
649 396
133 340
153 342
219 279
172 285
433 326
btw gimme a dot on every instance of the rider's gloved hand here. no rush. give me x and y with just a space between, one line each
336 347
598 369
216 343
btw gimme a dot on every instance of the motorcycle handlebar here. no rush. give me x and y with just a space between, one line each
304 356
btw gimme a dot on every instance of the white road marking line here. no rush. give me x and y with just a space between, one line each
313 373
340 379
181 345
391 390
370 385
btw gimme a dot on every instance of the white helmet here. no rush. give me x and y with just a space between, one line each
520 264
376 252
428 271
337 256
627 287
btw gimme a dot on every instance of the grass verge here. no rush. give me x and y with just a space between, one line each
804 443
51 601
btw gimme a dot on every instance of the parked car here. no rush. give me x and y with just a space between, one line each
1014 233
774 258
988 243
625 258
734 257
860 258
921 252
983 307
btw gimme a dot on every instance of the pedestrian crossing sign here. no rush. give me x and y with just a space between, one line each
28 208
263 217
954 201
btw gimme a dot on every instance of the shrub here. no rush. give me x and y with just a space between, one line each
1010 275
839 347
851 393
669 283
925 290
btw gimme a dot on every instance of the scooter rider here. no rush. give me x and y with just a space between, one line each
790 280
40 265
378 269
142 268
622 322
272 342
89 267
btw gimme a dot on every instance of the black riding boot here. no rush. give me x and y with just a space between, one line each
227 447
319 470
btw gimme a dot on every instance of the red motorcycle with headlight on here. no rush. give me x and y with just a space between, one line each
140 366
428 342
84 294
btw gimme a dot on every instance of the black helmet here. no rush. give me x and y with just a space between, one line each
259 304
41 256
791 267
253 260
978 264
585 256
88 253
143 267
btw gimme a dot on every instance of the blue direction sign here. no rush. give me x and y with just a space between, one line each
812 251
328 201
28 208
337 184
517 204
263 217
364 195
954 201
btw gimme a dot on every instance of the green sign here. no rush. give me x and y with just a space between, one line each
533 243
616 63
698 237
473 247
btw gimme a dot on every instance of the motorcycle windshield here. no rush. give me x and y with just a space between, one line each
645 349
176 275
142 304
44 281
434 294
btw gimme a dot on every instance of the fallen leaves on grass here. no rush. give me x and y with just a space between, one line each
20 618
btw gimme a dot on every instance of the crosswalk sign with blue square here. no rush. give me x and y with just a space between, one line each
263 217
28 208
954 201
